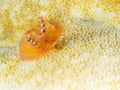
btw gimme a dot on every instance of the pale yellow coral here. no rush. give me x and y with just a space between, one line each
88 58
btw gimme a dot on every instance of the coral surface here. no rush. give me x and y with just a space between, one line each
88 57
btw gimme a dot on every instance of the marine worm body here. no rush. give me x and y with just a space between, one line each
42 37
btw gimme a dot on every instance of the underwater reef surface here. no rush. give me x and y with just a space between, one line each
88 58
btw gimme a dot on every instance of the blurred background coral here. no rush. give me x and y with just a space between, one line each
87 59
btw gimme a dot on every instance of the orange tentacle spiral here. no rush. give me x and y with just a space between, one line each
42 37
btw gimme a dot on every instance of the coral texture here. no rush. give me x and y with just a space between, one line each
88 57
